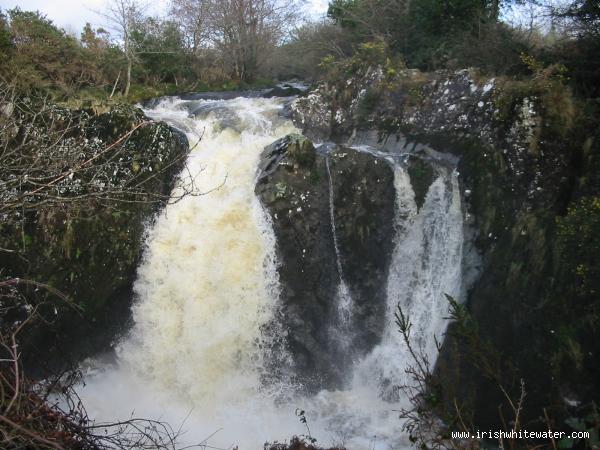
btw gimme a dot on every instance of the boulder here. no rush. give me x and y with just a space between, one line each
294 187
89 248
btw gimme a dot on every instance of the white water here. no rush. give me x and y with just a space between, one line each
208 283
426 264
341 328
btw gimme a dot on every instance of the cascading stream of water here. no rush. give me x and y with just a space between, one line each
208 285
426 265
338 260
344 303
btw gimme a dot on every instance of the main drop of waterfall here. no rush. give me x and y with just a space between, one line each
201 347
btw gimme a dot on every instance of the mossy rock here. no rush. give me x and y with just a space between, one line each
294 187
89 250
422 175
301 150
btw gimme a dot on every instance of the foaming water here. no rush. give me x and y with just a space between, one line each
208 285
426 265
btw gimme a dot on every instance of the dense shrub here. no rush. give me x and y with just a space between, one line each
578 235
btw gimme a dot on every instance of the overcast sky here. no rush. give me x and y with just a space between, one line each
72 14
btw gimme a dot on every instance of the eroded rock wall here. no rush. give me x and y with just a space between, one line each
89 248
294 187
525 166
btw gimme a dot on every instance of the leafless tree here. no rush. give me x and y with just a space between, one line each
193 17
246 31
122 17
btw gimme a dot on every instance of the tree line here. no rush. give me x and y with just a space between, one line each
200 44
453 34
225 44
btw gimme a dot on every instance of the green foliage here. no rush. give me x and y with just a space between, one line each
579 246
368 103
368 55
433 34
371 53
547 89
343 12
589 423
425 32
554 73
160 49
5 39
327 62
42 55
581 55
35 55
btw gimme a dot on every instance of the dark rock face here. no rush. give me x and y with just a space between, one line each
363 198
523 169
421 175
285 90
89 250
294 187
332 111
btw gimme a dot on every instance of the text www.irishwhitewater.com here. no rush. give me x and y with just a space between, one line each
521 434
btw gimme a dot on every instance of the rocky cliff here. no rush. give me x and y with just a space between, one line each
529 172
310 195
86 238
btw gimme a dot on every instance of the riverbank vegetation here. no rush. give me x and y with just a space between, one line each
75 192
205 45
202 45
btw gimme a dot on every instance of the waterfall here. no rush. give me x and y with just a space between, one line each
342 328
207 286
426 265
338 260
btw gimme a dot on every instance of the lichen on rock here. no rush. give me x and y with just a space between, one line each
87 243
522 163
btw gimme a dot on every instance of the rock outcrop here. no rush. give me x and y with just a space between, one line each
303 189
89 248
525 168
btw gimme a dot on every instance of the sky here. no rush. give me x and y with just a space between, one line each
72 14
